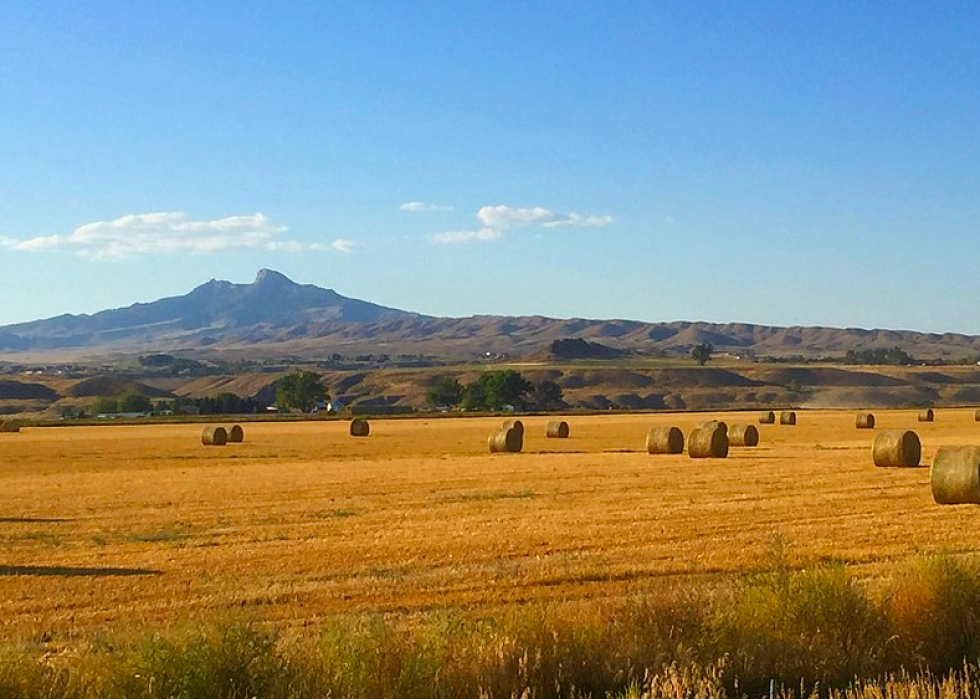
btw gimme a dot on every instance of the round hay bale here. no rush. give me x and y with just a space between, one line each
9 426
557 429
896 448
714 423
865 421
976 415
955 476
926 415
665 440
787 417
708 443
516 424
214 436
506 440
359 427
743 436
235 433
767 418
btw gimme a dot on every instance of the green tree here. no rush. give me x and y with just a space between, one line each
506 387
702 353
300 389
103 405
495 389
228 404
132 402
546 395
445 390
474 396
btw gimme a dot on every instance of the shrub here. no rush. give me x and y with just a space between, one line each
934 609
234 660
809 626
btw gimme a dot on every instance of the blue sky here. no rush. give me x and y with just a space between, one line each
770 162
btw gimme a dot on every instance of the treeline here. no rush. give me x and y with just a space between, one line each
221 404
300 390
124 403
495 390
893 356
174 365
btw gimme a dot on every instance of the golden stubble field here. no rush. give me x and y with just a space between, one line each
141 525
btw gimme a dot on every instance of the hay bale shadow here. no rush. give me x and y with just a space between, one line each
34 520
66 572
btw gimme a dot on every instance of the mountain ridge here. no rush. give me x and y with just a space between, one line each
274 316
215 306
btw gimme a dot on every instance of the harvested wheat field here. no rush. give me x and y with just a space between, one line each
143 525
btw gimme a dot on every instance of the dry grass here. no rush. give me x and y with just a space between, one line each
122 526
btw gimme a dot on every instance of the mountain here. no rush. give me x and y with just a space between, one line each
273 316
213 311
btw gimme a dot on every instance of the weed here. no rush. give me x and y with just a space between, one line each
154 537
45 538
496 495
331 514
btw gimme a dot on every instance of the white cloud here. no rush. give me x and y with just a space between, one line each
164 233
504 217
578 221
466 236
42 242
342 245
419 207
497 220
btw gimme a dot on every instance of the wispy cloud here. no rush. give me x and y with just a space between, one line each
164 233
343 245
504 217
466 236
497 220
421 207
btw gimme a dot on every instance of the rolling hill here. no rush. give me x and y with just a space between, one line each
274 316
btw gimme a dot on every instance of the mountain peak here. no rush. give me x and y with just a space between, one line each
220 309
271 276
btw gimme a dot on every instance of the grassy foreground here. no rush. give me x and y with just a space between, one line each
817 631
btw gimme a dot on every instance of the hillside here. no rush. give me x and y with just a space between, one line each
593 386
275 317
